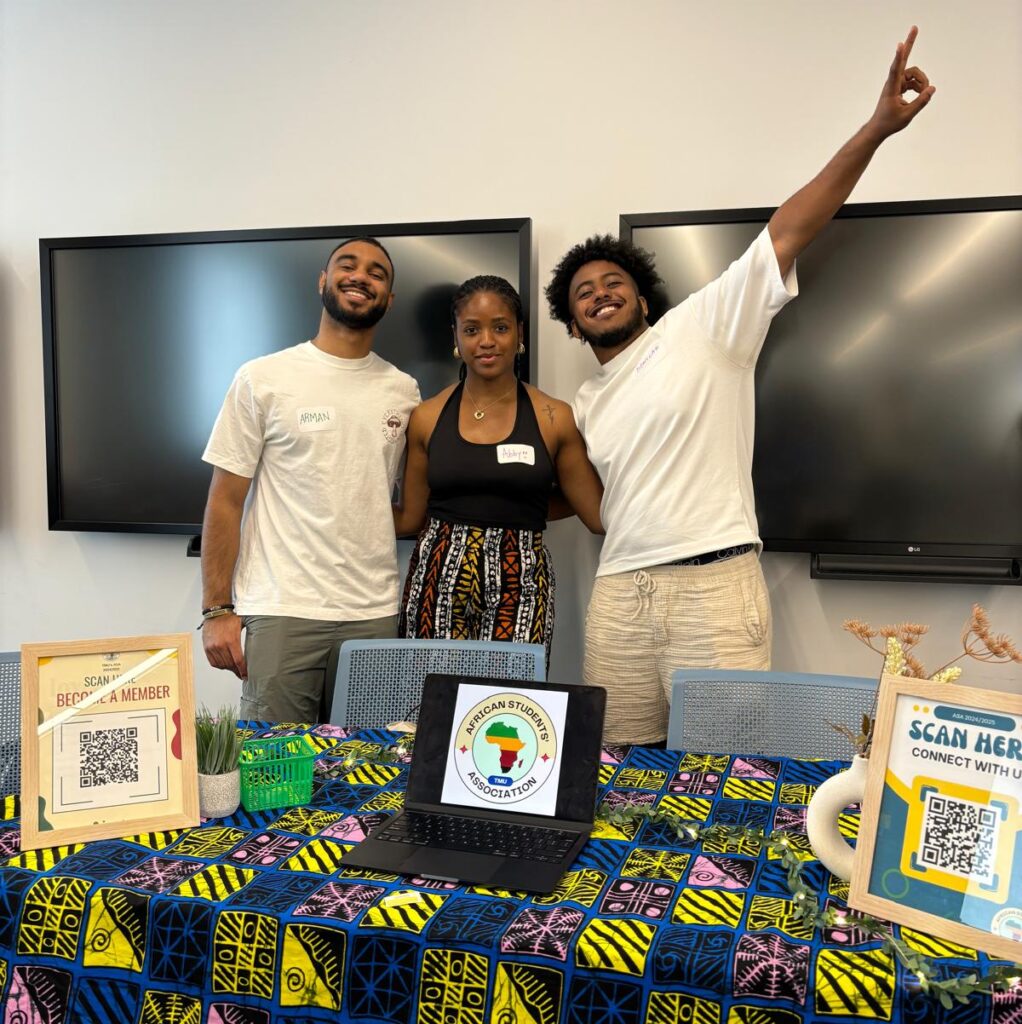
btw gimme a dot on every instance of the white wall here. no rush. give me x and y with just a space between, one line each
125 116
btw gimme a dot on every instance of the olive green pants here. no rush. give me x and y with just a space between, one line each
287 660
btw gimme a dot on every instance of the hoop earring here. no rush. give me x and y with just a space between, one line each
457 353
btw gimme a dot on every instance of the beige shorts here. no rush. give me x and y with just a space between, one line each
641 626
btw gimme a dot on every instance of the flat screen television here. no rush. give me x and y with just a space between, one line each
142 335
889 393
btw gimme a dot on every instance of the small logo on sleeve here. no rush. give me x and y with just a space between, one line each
393 425
317 417
524 453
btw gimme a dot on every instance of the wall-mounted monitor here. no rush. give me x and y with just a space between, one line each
142 335
889 393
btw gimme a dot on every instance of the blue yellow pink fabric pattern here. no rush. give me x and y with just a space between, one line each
250 920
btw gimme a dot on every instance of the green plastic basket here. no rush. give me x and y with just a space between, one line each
276 772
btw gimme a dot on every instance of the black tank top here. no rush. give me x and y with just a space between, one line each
490 484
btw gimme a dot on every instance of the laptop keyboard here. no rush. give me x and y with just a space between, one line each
478 835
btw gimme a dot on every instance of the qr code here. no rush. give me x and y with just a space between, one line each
108 756
960 837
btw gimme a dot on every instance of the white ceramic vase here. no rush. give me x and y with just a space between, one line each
827 803
219 795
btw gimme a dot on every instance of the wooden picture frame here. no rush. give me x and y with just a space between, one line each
107 739
940 837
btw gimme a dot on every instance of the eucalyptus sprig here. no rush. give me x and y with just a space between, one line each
807 902
405 742
373 753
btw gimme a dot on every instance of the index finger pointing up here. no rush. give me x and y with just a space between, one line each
906 48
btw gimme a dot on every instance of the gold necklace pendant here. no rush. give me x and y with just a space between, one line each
481 412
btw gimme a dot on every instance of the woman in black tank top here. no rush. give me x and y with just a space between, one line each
484 457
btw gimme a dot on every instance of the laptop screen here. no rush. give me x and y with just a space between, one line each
508 745
506 749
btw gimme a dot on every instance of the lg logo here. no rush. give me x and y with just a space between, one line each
914 549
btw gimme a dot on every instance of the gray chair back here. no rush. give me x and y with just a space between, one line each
380 681
10 722
776 714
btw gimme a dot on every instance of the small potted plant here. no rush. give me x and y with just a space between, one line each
217 749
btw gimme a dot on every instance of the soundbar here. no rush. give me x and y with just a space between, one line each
915 569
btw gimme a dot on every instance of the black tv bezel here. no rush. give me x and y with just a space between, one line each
522 226
762 214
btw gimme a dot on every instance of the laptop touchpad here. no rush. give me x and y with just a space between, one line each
455 866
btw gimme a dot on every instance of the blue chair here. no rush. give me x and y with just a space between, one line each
10 722
376 682
777 714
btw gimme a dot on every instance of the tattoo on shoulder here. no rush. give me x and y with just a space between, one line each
549 410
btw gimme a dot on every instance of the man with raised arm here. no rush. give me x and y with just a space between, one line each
668 422
316 432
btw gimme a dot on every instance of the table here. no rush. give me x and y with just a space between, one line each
248 920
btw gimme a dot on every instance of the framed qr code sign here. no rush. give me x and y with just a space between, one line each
107 739
940 839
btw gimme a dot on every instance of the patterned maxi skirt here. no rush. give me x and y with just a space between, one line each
479 583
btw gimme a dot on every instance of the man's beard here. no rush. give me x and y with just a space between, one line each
616 335
360 321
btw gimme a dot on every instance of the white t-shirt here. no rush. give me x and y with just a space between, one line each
322 439
669 421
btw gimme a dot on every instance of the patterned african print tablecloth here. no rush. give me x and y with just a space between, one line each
250 919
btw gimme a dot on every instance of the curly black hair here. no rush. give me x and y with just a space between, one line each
487 283
636 262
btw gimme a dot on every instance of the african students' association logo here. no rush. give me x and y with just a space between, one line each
505 748
1008 923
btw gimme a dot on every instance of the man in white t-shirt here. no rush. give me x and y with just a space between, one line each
313 437
668 422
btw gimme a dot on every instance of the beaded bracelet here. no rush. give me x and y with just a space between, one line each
214 612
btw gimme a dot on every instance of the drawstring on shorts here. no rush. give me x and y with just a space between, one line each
645 587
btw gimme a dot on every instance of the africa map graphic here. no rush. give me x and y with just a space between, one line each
506 738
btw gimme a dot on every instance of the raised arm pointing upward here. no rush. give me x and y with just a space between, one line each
668 424
798 221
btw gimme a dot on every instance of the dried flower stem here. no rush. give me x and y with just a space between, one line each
982 644
979 642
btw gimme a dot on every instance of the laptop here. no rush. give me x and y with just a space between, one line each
502 786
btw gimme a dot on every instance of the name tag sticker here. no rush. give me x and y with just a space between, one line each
651 358
516 453
317 417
